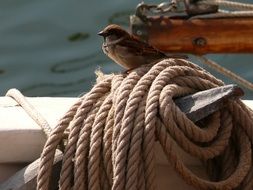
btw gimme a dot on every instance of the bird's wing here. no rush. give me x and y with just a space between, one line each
140 48
132 45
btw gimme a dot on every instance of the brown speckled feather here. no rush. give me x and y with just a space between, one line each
126 50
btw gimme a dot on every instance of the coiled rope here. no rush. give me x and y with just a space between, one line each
113 129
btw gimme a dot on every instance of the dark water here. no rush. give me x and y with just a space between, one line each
51 48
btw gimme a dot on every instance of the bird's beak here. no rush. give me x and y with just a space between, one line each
101 33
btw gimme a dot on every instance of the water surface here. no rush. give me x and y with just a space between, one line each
51 48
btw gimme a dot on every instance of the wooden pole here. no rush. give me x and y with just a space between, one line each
196 36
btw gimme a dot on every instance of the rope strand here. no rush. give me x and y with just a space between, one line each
226 72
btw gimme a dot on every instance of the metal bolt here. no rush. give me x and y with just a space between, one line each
199 41
139 33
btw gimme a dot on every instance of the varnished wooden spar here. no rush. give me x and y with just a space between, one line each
196 36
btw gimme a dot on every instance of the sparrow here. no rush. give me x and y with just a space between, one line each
126 50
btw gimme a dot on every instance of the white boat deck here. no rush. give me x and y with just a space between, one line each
22 140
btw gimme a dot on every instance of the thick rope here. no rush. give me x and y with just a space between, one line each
30 110
113 129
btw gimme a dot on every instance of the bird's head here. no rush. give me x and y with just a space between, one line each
113 30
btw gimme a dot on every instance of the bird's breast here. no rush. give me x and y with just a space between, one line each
123 56
126 58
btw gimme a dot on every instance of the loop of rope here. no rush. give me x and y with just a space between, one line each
113 129
30 110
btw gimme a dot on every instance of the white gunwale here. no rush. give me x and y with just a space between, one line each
22 140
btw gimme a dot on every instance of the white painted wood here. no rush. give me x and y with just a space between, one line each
21 139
